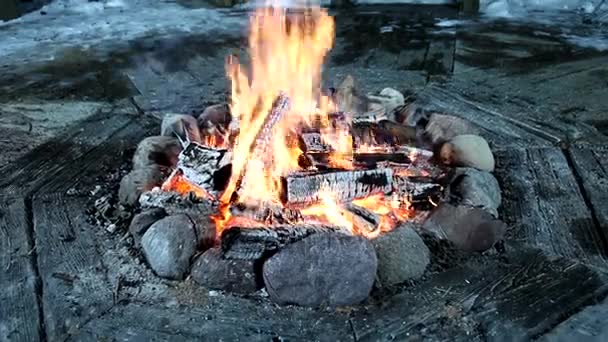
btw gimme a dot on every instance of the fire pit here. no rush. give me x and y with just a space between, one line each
315 195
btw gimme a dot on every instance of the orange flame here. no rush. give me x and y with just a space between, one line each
286 54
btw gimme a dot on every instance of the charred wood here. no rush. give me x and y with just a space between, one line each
253 243
306 188
200 165
421 192
362 218
266 213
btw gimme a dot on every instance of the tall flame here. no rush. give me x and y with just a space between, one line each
286 55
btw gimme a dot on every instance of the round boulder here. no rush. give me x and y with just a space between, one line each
137 181
215 115
168 246
157 150
322 269
182 125
475 188
402 255
469 151
470 229
214 272
441 128
142 221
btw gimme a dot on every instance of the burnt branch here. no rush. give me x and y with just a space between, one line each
303 189
200 165
253 243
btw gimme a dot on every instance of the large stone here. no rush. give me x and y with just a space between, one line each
441 128
142 221
470 229
183 126
214 272
168 246
137 181
469 151
157 150
390 99
402 255
322 269
475 188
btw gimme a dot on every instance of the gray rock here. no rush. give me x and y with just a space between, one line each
390 99
157 150
137 181
469 151
402 255
142 221
181 125
215 115
212 271
412 115
442 128
470 229
322 269
475 188
168 246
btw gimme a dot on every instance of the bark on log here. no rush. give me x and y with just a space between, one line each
200 165
267 213
263 137
253 243
344 185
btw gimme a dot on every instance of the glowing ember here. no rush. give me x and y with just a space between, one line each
177 183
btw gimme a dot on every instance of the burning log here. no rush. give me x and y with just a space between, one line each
368 160
420 191
313 142
261 144
362 218
252 243
344 185
263 138
201 166
266 213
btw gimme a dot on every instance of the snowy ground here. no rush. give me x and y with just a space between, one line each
88 25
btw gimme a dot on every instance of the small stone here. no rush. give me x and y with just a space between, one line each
215 115
475 188
111 228
441 128
390 99
214 272
470 229
183 126
157 150
402 255
137 181
168 246
142 221
322 269
468 150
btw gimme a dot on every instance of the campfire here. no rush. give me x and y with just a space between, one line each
289 162
289 152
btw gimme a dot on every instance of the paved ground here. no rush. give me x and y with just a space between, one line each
73 108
